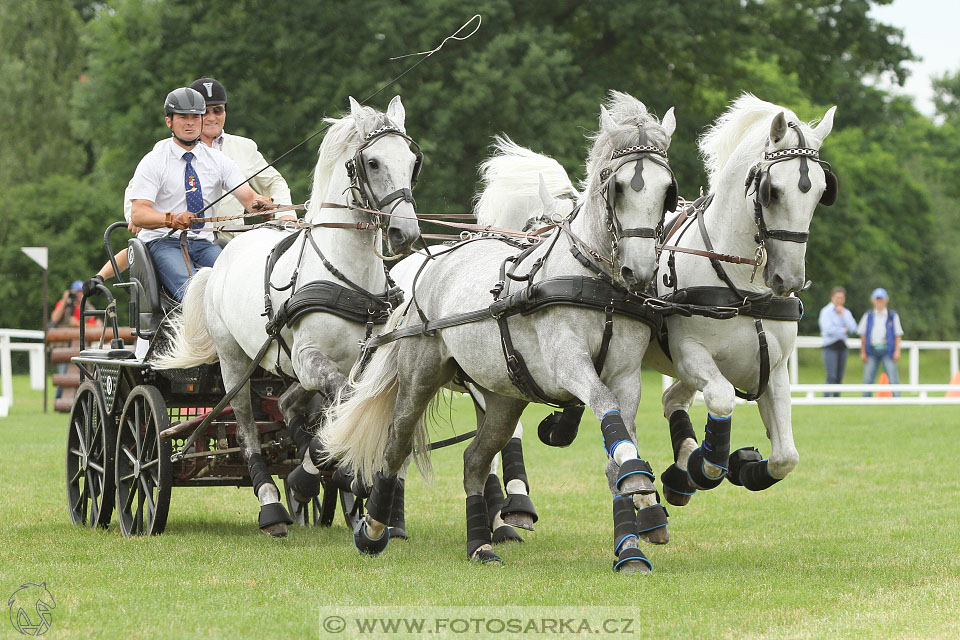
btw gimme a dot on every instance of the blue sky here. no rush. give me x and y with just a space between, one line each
931 31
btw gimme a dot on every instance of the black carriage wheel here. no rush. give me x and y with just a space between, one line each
90 449
144 471
352 509
320 511
309 513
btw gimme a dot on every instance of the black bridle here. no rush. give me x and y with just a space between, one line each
759 178
620 157
361 192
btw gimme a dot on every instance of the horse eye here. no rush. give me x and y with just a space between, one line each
774 194
618 187
373 164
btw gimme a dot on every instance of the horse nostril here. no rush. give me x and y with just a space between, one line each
396 239
627 274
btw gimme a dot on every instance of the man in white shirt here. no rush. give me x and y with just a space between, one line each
243 151
174 183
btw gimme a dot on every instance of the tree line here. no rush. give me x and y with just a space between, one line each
85 81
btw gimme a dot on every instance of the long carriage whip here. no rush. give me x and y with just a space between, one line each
426 54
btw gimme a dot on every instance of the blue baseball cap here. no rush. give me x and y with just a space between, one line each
77 285
879 292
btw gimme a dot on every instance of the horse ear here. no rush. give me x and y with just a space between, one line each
549 204
396 112
669 122
356 111
778 128
606 121
823 129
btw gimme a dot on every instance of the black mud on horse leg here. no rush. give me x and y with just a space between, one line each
715 449
270 514
677 488
517 509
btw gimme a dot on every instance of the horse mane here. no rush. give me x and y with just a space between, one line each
514 172
740 134
629 114
341 139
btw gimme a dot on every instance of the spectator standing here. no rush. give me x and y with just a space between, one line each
880 334
836 323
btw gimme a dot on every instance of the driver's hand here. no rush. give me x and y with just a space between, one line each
90 286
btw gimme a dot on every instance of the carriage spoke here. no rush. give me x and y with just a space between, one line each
139 517
77 452
83 443
76 477
96 467
128 505
148 493
125 479
126 451
137 421
150 465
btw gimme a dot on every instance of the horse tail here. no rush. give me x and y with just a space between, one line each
357 425
190 344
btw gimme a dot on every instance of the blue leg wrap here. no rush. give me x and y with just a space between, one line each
624 522
478 527
680 429
614 431
715 449
738 459
380 504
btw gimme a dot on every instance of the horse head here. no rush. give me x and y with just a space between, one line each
783 189
629 172
384 171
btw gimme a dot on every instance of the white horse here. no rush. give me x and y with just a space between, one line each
521 190
364 159
769 149
374 430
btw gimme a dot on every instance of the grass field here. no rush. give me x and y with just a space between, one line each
861 541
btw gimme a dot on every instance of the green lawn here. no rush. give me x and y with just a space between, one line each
861 541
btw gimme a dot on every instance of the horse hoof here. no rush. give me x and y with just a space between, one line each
273 520
676 499
304 485
660 535
519 519
370 546
484 555
278 530
506 533
632 560
636 483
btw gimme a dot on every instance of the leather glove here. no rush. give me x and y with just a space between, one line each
90 286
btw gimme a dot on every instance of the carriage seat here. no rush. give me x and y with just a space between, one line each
154 301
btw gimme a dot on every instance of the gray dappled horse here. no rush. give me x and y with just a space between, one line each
364 158
766 181
628 187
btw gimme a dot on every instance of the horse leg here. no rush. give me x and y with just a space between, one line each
273 519
747 466
677 489
707 465
398 520
317 374
422 373
517 509
501 414
493 494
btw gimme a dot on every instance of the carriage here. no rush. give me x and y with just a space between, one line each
135 431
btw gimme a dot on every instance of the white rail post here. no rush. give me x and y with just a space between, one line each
914 364
953 362
6 373
36 367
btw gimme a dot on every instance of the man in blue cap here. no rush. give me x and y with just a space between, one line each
880 334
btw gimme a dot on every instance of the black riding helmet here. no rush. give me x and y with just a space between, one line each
184 100
211 90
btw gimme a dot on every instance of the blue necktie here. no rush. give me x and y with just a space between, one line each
191 183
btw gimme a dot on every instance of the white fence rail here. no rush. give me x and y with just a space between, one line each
911 348
35 349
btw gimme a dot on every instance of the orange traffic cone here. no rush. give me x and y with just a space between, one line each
955 380
884 380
